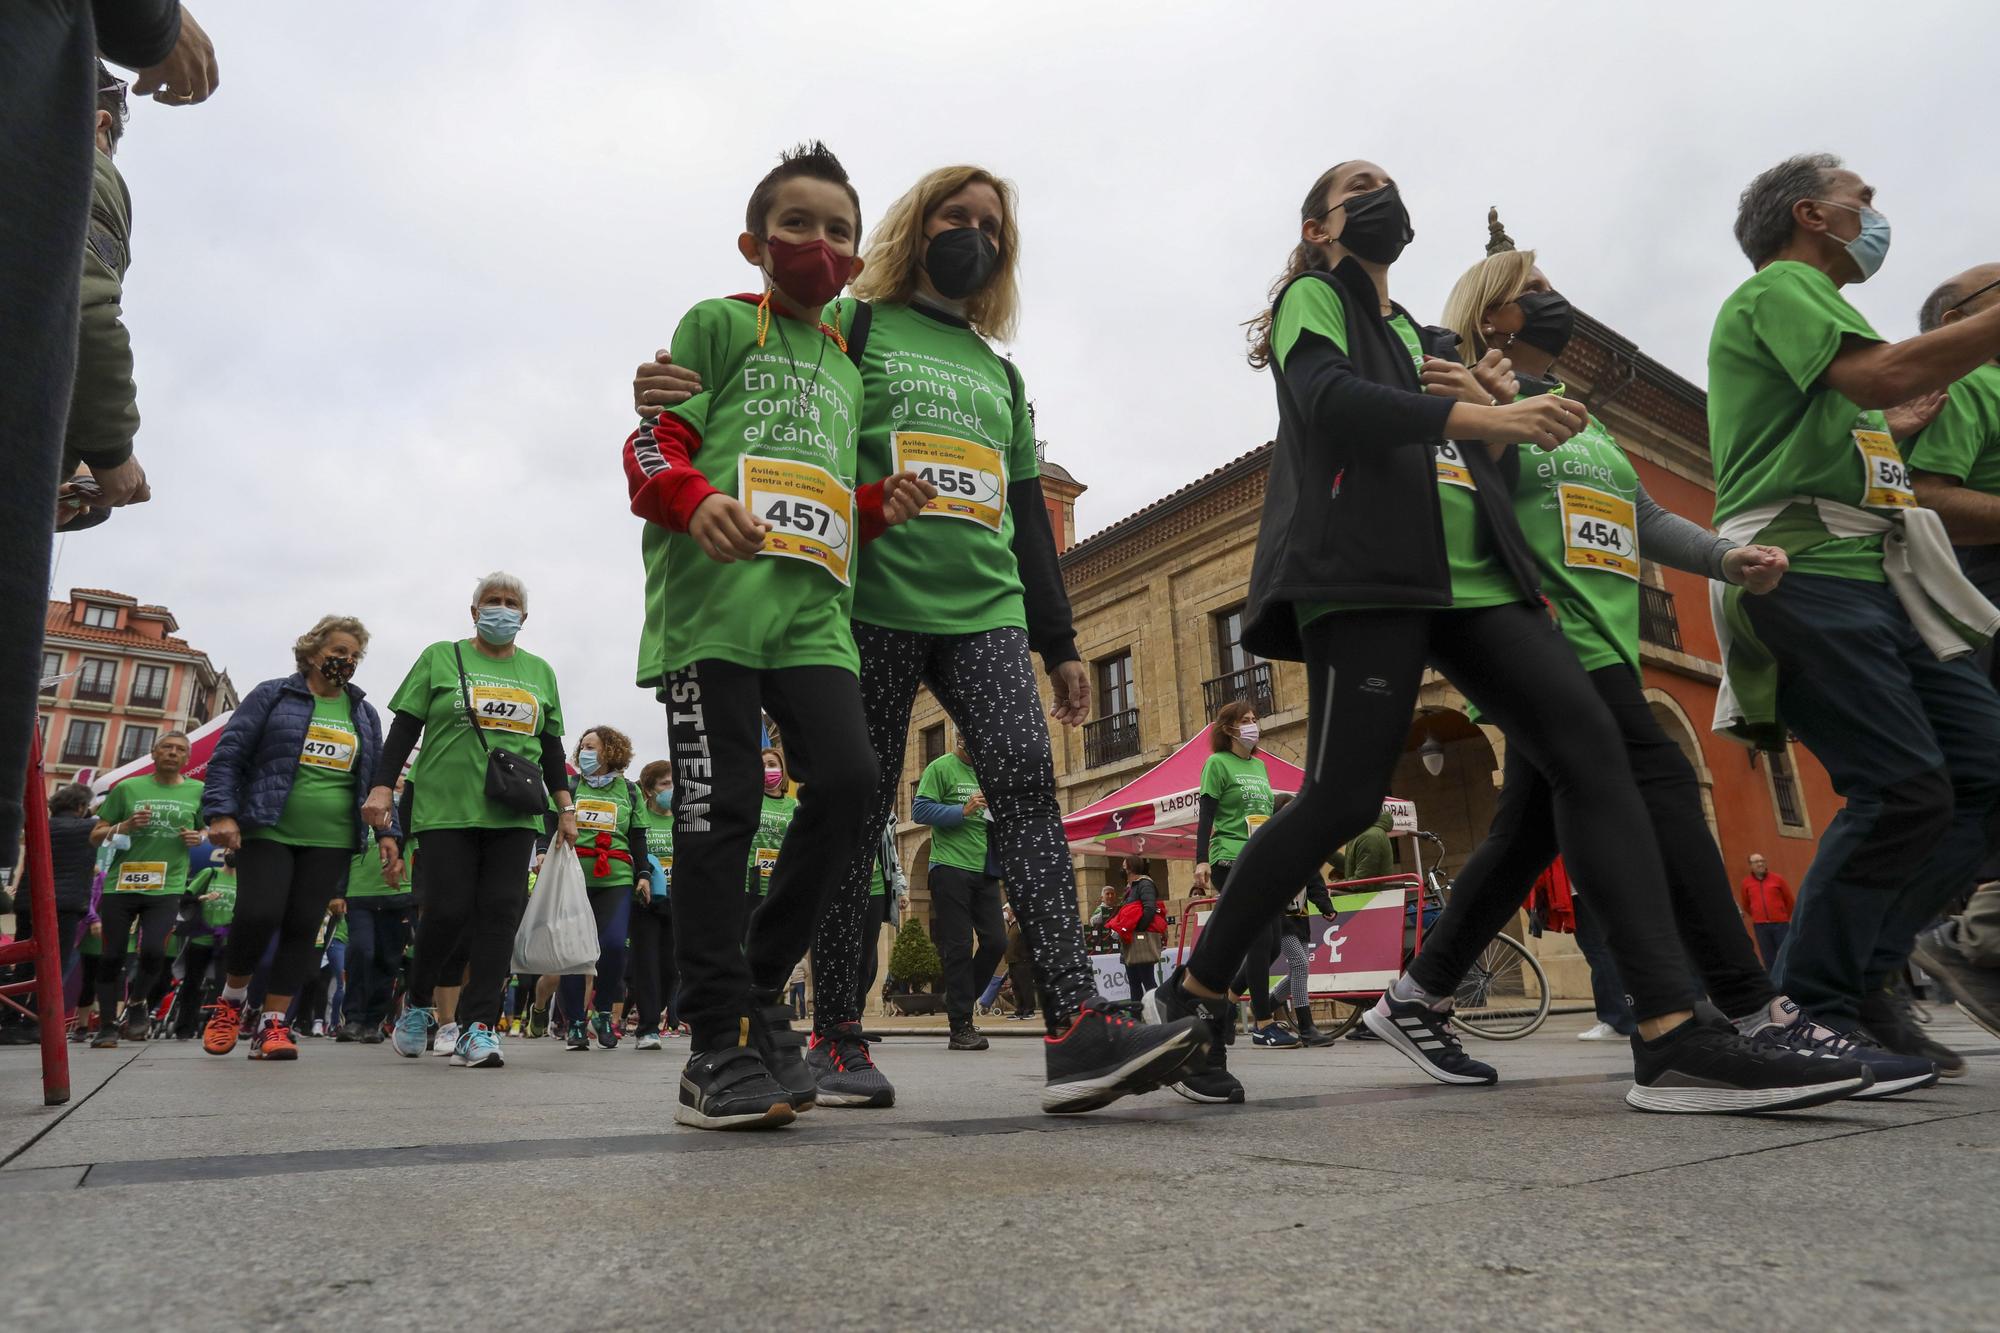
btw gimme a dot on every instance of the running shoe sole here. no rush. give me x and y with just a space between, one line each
283 1053
1882 1089
1739 1101
1234 1097
1386 1030
881 1097
491 1060
776 1116
1142 1073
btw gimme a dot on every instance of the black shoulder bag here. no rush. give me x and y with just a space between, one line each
510 780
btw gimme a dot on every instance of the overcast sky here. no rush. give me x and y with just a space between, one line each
390 283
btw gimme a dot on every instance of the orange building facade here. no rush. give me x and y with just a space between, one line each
114 678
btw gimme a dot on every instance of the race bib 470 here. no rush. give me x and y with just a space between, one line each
971 478
810 512
330 746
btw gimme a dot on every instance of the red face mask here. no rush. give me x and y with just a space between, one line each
811 273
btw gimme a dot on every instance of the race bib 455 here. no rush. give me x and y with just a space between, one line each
971 478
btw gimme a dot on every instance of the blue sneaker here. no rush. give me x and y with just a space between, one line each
477 1048
1272 1034
412 1036
1785 1023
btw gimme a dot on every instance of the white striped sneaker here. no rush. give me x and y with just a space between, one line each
1424 1036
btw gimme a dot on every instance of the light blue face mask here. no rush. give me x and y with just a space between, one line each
499 624
1871 247
664 799
586 761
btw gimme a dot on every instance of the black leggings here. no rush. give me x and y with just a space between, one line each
475 888
1364 669
1253 978
612 909
652 966
284 889
1523 841
155 913
965 905
986 683
714 729
871 946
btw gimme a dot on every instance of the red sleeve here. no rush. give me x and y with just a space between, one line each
868 504
665 486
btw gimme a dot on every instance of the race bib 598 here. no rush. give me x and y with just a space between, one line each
1886 483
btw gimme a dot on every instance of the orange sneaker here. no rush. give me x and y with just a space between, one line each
225 1021
273 1042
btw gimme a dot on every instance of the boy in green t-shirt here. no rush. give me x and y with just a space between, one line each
754 522
1807 405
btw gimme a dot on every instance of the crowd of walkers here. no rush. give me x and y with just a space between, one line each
841 503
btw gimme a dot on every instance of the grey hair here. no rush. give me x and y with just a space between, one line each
501 582
1931 313
306 647
1764 212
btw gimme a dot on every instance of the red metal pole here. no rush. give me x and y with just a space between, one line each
42 908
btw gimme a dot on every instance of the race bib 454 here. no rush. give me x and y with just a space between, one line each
1600 530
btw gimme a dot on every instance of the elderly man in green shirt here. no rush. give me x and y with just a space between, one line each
1807 407
1955 470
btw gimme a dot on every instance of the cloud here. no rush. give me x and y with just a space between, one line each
390 284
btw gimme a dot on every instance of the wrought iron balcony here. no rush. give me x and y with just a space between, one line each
1109 739
1252 683
1658 625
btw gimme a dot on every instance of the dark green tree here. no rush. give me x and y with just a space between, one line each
914 959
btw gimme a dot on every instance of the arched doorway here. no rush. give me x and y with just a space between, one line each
1674 721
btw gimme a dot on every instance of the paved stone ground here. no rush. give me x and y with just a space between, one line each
369 1191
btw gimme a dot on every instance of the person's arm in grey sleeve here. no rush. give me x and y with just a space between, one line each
1665 538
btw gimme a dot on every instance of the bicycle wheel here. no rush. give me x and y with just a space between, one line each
1505 994
1345 1016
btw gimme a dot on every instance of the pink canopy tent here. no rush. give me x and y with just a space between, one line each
1155 814
201 745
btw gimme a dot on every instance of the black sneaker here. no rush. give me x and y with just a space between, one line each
607 1036
1708 1068
1887 1016
965 1037
845 1070
783 1051
1789 1026
579 1036
1105 1056
1204 1076
1976 988
731 1089
138 1024
1423 1036
105 1038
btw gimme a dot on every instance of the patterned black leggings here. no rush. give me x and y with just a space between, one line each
986 683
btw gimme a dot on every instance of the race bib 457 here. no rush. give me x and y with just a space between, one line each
810 512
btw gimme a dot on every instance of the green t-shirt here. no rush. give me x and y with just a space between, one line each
1242 791
516 701
157 860
660 840
937 398
772 822
320 810
219 880
1477 576
790 606
951 780
367 879
1964 441
1775 431
1578 507
607 816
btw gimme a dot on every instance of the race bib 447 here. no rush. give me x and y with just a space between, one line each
810 512
971 478
505 708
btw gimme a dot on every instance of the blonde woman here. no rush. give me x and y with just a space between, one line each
284 791
956 600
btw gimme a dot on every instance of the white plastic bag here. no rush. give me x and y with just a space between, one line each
558 934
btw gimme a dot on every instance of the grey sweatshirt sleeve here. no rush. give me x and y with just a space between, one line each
1668 539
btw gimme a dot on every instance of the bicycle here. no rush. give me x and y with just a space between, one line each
1504 994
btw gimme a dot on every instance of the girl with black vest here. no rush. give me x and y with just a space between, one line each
1388 544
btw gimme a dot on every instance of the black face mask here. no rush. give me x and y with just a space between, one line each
1548 321
339 670
1534 386
1377 227
960 261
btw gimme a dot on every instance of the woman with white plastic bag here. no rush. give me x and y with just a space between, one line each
490 769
